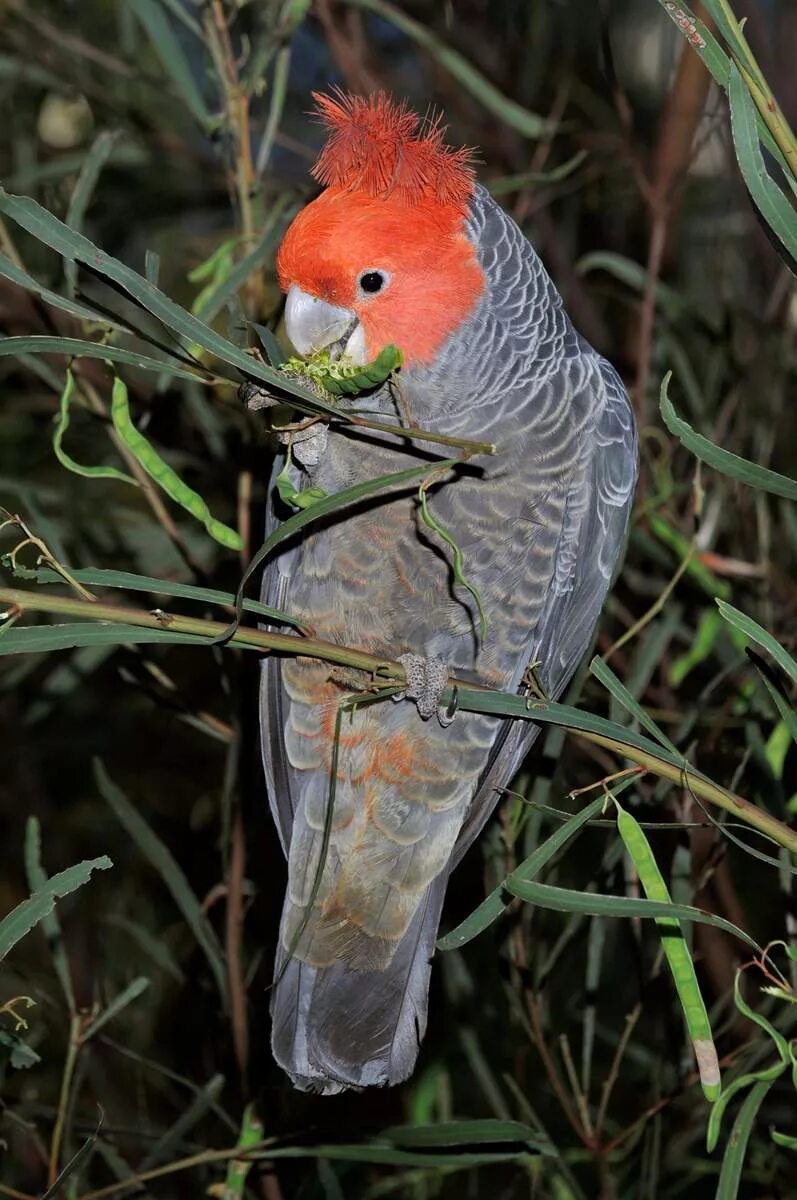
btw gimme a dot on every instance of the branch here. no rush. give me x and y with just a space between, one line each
469 697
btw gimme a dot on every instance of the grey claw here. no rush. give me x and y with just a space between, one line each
309 445
427 679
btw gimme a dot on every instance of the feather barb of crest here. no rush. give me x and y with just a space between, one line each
379 146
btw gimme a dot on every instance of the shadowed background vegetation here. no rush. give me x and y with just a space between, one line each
174 134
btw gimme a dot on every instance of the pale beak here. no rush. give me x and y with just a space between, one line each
313 324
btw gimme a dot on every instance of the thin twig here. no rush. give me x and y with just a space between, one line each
575 1087
614 1070
554 1078
70 1062
384 670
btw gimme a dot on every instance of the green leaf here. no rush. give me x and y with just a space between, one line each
780 1043
498 901
30 912
51 926
396 1156
634 276
712 54
515 183
216 297
9 270
605 675
101 577
21 1055
788 715
486 1132
93 163
769 1074
168 49
773 205
594 904
164 863
273 350
203 1101
78 348
386 484
133 990
41 639
733 1159
509 111
676 952
722 460
682 548
757 633
75 247
703 642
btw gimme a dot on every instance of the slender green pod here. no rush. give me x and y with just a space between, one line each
676 952
162 473
66 460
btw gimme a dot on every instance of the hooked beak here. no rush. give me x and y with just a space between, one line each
313 324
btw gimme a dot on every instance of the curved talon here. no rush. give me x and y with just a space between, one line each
427 679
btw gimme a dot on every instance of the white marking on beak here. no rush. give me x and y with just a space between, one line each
314 324
355 348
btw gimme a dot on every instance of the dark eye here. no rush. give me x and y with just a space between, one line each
372 281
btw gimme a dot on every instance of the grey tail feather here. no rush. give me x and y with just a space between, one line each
334 1028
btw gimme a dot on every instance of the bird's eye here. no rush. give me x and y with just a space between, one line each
372 281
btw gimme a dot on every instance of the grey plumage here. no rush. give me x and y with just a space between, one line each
540 527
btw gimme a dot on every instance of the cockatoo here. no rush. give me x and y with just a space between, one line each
403 246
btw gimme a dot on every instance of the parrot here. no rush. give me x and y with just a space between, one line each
402 246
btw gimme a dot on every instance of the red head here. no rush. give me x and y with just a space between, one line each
384 242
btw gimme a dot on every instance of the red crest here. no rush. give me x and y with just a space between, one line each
379 146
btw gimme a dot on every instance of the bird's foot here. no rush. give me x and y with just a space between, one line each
427 680
307 438
308 445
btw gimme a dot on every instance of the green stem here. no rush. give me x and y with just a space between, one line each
765 102
468 694
72 1051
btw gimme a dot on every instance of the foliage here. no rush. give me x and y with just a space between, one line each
173 132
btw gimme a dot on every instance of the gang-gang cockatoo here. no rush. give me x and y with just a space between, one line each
402 246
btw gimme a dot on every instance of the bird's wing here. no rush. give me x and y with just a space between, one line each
590 545
274 592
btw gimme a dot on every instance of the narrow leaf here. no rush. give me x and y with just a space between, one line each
509 111
594 904
676 952
722 460
168 49
30 912
77 348
51 926
498 900
133 990
605 675
773 205
9 270
758 634
93 163
733 1159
